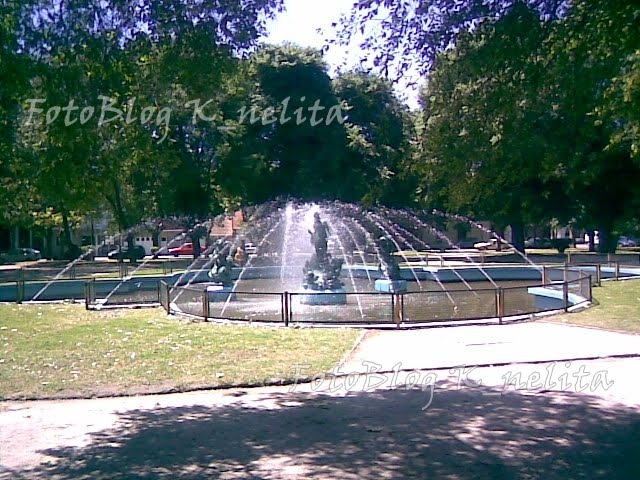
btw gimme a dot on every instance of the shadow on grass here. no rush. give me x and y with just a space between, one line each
471 433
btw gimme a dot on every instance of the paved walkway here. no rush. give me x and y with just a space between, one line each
488 345
421 419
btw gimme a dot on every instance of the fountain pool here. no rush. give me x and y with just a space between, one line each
295 278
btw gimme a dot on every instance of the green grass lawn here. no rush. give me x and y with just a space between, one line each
618 309
64 350
632 252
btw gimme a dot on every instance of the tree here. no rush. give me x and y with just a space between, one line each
486 149
290 138
397 35
378 131
554 128
590 65
160 54
15 70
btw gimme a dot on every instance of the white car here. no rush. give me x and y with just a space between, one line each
627 242
490 245
250 249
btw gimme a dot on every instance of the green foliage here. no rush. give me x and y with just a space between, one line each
530 110
281 147
485 148
175 56
588 55
621 103
397 35
378 133
138 53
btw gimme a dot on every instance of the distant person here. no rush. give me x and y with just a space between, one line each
240 257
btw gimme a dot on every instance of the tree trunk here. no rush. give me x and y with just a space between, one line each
155 237
499 233
66 229
48 242
195 239
517 236
116 203
71 251
608 242
592 240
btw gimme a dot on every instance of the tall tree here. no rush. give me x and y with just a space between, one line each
399 34
590 56
379 131
291 139
486 148
137 54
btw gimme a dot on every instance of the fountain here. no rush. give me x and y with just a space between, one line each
223 256
332 262
392 281
322 284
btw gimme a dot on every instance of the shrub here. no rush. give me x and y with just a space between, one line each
73 252
561 244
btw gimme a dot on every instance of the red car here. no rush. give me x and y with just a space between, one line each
184 249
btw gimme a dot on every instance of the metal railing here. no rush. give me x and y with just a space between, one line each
126 292
362 308
57 281
372 308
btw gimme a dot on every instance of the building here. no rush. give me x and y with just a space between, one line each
166 237
228 226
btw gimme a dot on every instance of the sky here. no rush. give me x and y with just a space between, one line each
299 23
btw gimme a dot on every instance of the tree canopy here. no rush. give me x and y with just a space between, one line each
528 110
528 114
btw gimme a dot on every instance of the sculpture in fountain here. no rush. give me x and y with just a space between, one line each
392 281
322 271
220 273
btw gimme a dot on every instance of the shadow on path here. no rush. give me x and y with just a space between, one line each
468 433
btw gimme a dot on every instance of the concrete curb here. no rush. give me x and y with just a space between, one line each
589 327
356 344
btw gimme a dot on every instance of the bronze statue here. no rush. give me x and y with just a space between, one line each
321 271
320 235
388 262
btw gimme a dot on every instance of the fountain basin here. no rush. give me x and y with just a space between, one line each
553 299
324 297
390 286
219 293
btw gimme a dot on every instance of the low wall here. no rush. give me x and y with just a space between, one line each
553 299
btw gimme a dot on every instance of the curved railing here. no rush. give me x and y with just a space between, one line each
563 288
558 287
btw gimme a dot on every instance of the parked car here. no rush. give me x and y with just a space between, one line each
184 249
491 244
537 242
627 242
105 249
561 244
136 253
20 255
468 243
